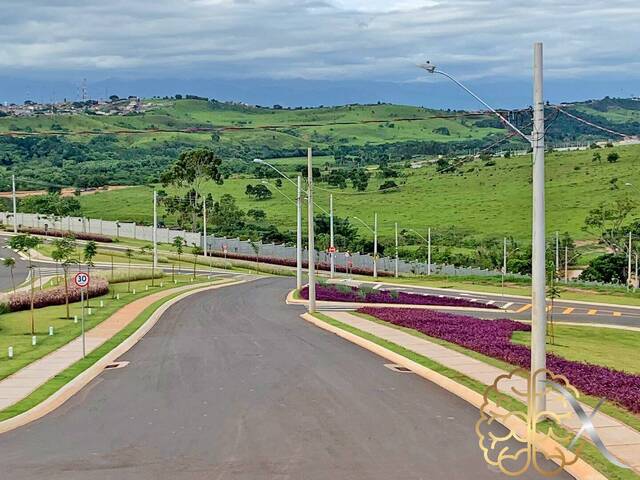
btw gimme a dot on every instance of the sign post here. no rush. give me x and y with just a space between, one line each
81 279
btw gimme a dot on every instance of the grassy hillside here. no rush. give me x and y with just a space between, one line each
484 200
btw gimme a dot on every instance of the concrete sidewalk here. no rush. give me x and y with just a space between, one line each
620 439
23 382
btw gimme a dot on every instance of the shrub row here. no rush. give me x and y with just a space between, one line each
96 237
54 296
121 275
493 338
345 293
290 262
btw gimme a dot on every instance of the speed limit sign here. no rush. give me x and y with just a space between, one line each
81 279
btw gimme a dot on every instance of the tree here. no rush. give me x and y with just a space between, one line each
178 244
608 268
226 216
90 251
259 192
192 169
613 157
606 222
51 204
256 249
25 243
596 157
63 253
257 214
195 251
553 292
388 185
279 182
10 263
359 179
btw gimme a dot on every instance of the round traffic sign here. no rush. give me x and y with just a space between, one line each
332 249
81 279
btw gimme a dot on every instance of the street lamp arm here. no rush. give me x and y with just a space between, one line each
282 193
412 230
433 69
366 226
259 160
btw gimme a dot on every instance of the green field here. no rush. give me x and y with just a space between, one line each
493 200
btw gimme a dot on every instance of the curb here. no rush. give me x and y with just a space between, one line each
580 470
78 383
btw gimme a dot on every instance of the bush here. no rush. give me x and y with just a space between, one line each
54 296
121 275
96 237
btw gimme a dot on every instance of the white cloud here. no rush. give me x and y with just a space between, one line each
319 39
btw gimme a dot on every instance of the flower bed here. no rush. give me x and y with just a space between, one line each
493 338
290 262
62 233
344 293
54 296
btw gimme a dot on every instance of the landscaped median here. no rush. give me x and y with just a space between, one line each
49 379
401 345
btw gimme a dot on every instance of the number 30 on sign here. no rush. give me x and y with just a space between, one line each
81 279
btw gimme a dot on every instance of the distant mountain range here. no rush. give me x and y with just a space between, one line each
300 92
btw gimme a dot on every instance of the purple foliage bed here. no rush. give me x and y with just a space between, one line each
353 294
493 338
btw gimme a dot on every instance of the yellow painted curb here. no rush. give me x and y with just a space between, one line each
580 470
78 383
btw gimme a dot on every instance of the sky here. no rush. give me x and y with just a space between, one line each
312 52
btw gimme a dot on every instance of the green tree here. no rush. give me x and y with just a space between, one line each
89 253
25 243
178 244
388 186
613 157
64 254
192 169
359 179
226 216
606 222
256 250
259 192
129 254
195 251
10 263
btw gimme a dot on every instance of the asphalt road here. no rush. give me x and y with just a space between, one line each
232 384
20 271
520 308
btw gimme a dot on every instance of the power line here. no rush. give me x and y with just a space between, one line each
591 124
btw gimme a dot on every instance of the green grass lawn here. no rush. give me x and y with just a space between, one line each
482 200
15 326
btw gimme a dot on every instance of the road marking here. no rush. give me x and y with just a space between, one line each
507 305
377 286
524 309
473 300
491 302
617 314
567 311
592 312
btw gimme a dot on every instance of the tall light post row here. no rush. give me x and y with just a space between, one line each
538 277
428 242
373 230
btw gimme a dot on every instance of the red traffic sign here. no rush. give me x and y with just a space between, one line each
81 279
332 250
224 248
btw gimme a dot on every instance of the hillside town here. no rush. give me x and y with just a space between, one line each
113 106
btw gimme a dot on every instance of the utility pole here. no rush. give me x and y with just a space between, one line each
299 234
504 261
154 236
396 270
538 274
566 264
331 253
375 245
204 225
557 253
312 251
15 210
429 251
636 281
629 266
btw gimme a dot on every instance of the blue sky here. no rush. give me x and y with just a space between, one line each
318 51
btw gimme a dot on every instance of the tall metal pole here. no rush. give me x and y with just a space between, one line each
429 251
636 280
538 277
557 253
331 253
396 270
299 234
154 233
504 261
312 251
84 344
204 226
566 264
15 210
629 266
375 245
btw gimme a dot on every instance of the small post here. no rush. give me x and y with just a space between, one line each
84 346
75 319
50 331
117 296
34 340
101 303
134 291
10 353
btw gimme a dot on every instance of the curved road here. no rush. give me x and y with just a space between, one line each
232 384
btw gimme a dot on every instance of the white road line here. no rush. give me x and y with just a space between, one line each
377 286
507 305
491 302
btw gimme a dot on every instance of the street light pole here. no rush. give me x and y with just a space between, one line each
396 269
312 251
13 198
566 264
204 226
375 245
299 233
538 276
154 237
557 253
429 251
331 252
504 261
629 264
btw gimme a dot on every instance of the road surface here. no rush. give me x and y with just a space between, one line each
20 270
232 384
